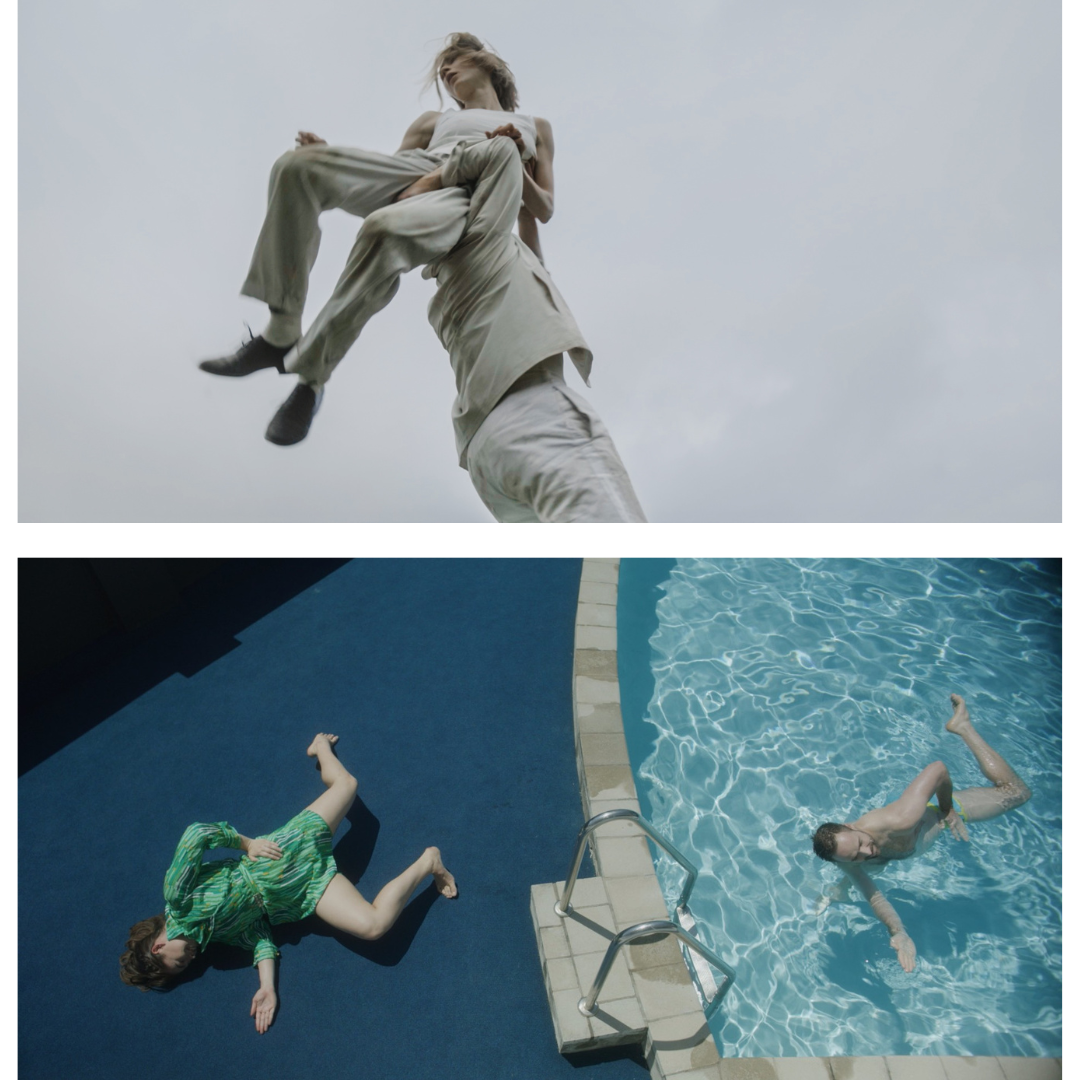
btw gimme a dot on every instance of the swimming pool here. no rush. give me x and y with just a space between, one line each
762 697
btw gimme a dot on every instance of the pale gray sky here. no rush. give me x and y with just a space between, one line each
815 249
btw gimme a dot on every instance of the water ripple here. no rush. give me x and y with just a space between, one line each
788 692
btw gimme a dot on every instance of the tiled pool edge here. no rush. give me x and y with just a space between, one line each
675 1048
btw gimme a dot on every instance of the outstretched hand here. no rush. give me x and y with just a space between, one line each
905 950
956 824
263 849
263 1007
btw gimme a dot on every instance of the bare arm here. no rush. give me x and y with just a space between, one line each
420 131
264 1003
538 189
905 813
886 913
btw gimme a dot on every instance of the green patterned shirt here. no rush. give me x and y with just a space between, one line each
214 901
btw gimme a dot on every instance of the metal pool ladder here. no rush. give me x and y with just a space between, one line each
685 930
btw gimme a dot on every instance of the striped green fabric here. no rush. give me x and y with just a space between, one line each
235 900
213 901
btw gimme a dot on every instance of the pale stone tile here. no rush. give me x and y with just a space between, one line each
617 1022
616 828
804 1068
604 749
859 1068
622 856
589 929
747 1069
554 942
595 637
610 782
588 892
681 1043
606 570
635 899
916 1067
666 991
562 975
542 901
597 664
1029 1068
598 719
618 983
972 1068
598 592
596 614
595 691
653 951
712 1072
571 1028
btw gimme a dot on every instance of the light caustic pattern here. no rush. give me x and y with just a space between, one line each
788 693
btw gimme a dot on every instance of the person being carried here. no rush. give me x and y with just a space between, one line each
283 877
395 237
535 450
910 825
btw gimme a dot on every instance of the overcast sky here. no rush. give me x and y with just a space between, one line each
814 247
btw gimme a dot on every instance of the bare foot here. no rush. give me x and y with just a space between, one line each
324 740
960 715
444 880
431 182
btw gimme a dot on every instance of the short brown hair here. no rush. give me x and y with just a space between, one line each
469 45
825 840
138 965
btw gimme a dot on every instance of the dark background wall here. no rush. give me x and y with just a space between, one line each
110 629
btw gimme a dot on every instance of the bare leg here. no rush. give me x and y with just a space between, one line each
333 803
344 908
1008 792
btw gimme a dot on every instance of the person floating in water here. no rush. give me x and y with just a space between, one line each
910 825
284 877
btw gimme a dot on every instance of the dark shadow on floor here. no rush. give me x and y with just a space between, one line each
588 1058
198 626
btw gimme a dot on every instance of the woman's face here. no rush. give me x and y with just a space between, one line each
174 955
461 77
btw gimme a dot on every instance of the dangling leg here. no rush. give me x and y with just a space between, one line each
344 908
1008 792
303 183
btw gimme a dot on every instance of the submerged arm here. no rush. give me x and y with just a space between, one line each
898 937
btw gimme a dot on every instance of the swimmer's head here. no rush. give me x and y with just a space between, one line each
152 959
468 51
841 843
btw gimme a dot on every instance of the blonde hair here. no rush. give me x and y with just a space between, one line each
138 965
470 46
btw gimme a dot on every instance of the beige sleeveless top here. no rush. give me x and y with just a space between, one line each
469 125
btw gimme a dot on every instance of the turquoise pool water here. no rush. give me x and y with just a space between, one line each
762 697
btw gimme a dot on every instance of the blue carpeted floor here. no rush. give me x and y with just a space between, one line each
449 684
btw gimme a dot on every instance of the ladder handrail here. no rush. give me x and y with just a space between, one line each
653 926
563 904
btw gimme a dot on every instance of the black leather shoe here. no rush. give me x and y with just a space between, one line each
292 421
254 355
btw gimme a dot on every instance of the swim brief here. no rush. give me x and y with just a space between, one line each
956 803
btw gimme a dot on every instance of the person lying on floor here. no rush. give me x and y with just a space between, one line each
283 878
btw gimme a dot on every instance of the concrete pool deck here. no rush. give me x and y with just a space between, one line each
649 997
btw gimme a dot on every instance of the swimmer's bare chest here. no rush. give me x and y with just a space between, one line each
905 843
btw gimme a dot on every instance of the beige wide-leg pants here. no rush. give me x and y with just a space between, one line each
395 238
543 454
